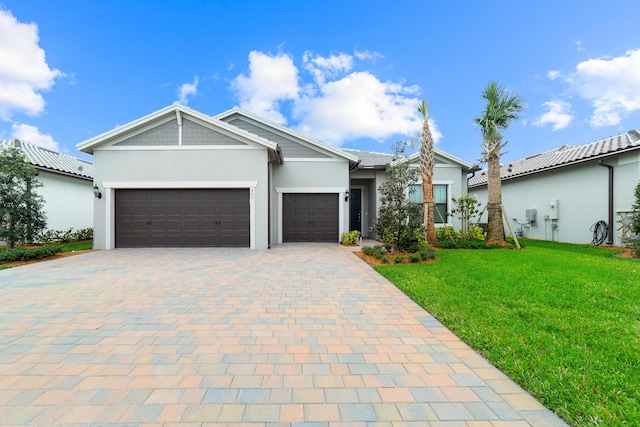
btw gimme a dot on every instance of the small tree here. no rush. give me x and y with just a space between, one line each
466 208
21 213
398 221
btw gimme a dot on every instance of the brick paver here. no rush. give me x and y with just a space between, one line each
301 334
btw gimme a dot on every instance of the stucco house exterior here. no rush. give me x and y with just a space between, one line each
178 177
449 180
67 182
561 193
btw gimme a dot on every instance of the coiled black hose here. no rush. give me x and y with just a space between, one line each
599 233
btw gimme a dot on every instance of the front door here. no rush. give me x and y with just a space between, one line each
355 209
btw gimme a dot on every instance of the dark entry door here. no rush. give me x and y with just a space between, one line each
310 217
355 209
182 217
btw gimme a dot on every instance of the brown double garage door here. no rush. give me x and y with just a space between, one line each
182 218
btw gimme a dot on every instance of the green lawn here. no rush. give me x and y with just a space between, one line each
561 320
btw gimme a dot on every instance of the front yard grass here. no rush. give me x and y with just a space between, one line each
561 320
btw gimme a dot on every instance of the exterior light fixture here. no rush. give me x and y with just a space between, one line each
346 196
96 192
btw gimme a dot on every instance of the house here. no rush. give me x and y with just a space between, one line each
560 194
67 181
449 180
178 177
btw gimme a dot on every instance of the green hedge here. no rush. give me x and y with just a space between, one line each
23 254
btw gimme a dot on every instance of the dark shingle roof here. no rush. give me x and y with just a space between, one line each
565 155
47 159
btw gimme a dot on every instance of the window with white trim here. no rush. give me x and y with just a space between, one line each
440 197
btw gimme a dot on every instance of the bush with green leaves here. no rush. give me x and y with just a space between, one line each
427 253
350 238
22 254
414 257
398 220
21 206
397 259
64 236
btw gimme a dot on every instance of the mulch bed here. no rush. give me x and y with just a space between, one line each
373 261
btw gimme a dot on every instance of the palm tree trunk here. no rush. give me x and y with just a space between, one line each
426 167
495 225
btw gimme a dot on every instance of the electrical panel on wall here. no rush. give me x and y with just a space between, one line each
553 209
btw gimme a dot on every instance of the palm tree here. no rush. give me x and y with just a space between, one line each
426 167
502 108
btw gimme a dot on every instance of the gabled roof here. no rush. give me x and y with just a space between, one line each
49 160
371 159
439 153
291 133
89 145
564 156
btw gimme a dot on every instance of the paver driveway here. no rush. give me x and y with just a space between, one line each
297 335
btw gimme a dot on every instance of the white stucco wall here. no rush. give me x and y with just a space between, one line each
309 176
68 201
179 167
582 195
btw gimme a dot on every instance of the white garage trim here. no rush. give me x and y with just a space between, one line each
112 186
341 195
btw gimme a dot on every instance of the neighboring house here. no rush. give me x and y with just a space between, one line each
178 177
565 191
67 182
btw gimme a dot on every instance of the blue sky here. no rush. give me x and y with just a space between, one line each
348 73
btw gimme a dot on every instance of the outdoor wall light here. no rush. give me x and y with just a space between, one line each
96 192
346 196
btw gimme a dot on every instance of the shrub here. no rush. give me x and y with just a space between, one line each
22 254
64 236
350 238
84 234
427 253
398 259
384 259
447 233
475 233
415 257
377 251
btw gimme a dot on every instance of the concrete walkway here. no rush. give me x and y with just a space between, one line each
302 334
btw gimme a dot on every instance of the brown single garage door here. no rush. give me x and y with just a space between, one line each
310 217
182 217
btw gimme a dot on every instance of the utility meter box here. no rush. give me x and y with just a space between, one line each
553 209
531 215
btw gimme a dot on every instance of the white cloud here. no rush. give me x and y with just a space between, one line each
24 72
559 115
579 46
32 134
553 74
188 89
271 79
358 106
367 54
612 85
322 68
337 104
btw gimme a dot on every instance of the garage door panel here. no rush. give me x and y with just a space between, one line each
182 217
310 217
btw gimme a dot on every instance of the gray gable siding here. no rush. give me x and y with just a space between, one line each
195 134
164 134
290 149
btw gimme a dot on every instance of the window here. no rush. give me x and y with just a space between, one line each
439 197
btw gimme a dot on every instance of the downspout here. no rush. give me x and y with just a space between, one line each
610 220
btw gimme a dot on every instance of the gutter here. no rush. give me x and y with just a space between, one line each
610 219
